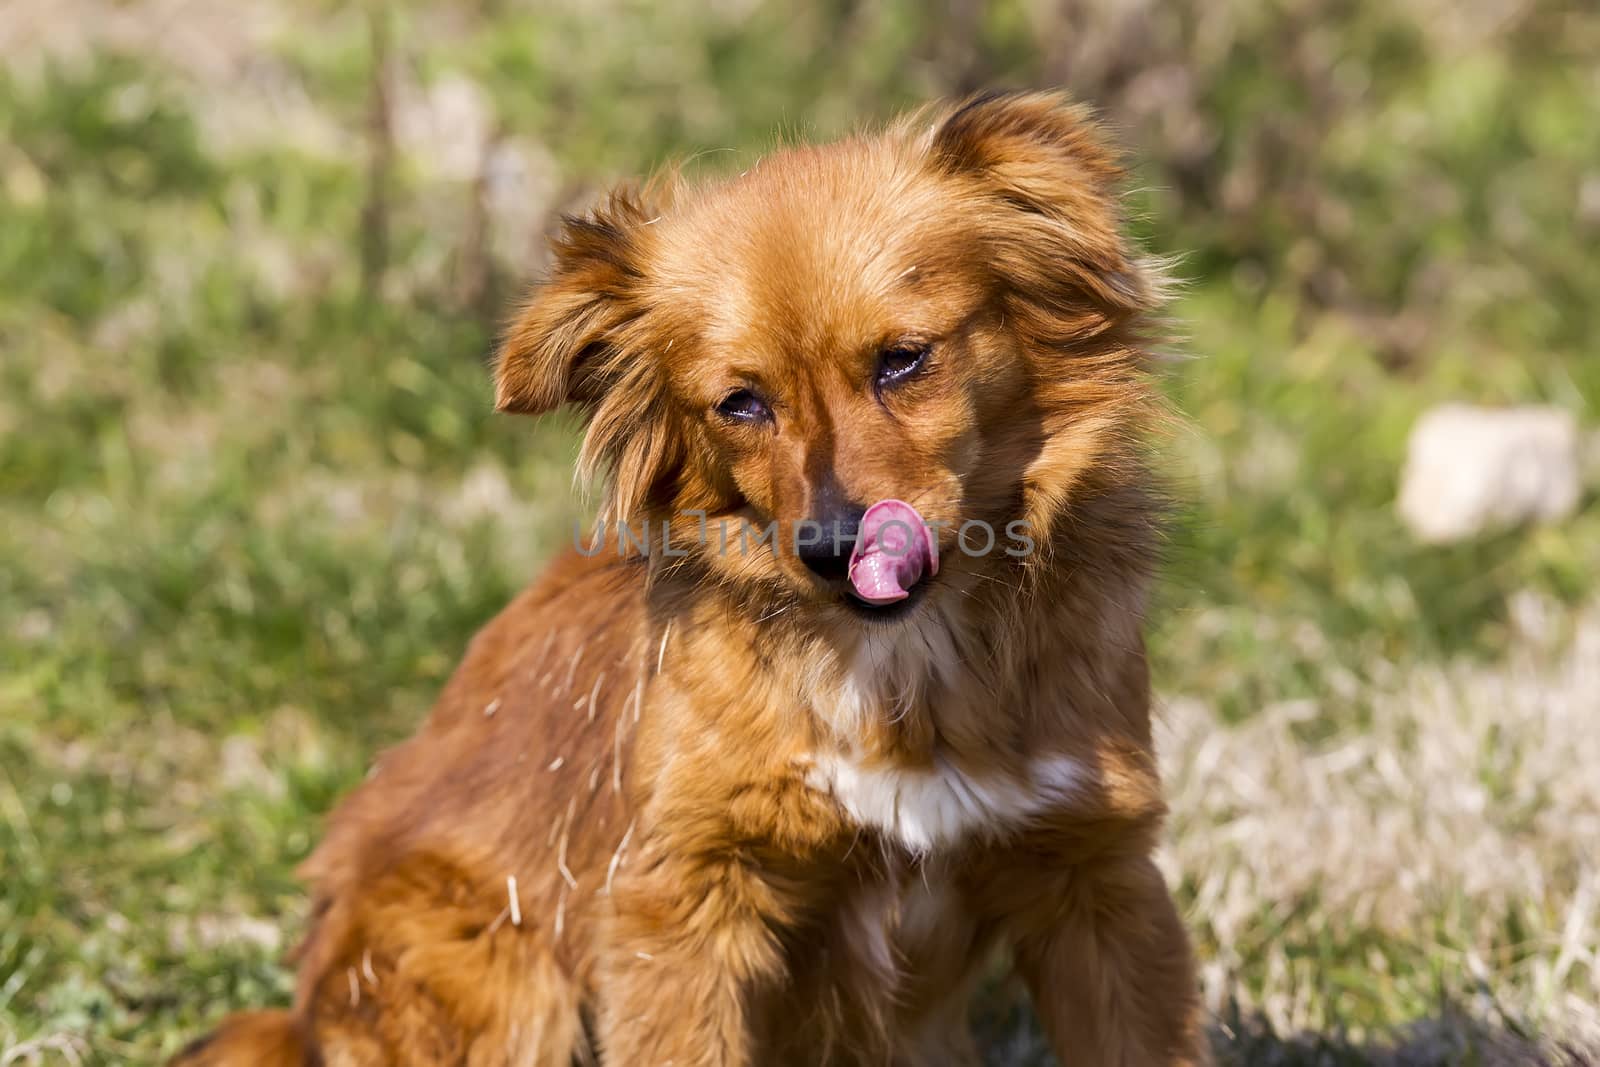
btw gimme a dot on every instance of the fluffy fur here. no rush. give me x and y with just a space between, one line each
689 806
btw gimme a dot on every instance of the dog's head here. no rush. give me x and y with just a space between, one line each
945 314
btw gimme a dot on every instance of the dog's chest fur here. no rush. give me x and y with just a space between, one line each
942 801
902 941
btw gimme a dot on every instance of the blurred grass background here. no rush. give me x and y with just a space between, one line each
253 502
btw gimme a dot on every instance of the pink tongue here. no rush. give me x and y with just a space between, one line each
894 549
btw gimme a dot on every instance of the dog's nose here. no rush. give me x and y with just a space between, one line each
824 543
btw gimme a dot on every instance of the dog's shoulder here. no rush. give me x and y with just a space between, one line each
595 602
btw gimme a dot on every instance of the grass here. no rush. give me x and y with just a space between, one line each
251 509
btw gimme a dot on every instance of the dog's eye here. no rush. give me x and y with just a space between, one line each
900 361
742 405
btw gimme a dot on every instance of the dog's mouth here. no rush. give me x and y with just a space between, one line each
894 558
886 611
894 552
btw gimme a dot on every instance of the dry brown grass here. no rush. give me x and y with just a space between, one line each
1459 822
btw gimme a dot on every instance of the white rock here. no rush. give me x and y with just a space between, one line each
1469 470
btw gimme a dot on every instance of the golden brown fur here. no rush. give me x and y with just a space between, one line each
742 823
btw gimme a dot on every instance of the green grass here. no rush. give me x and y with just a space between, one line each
250 514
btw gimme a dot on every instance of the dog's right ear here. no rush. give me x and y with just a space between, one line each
1060 233
563 345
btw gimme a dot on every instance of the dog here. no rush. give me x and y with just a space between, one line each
777 773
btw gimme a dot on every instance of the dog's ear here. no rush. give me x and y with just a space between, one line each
581 339
563 346
1042 188
1051 187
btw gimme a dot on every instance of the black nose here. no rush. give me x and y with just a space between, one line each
824 543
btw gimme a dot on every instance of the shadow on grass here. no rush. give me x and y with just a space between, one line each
1011 1038
1446 1040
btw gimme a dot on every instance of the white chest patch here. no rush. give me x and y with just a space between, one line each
941 806
923 808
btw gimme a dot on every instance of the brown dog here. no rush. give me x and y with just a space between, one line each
731 799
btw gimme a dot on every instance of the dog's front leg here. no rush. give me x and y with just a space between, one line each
1108 965
691 943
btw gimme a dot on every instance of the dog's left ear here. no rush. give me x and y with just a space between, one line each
564 346
1041 163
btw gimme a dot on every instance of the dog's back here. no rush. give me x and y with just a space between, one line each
259 1038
